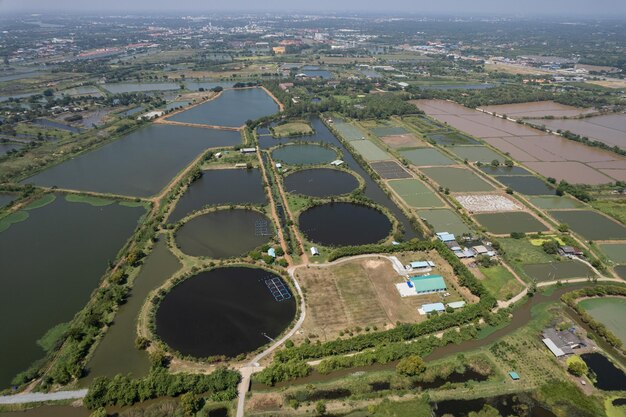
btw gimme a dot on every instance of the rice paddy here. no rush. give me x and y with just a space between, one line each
415 193
590 224
457 179
426 157
444 220
506 223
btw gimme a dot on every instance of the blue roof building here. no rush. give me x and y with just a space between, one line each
271 252
429 308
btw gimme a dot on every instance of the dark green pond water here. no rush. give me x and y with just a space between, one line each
343 224
232 108
221 186
608 376
304 154
224 233
225 311
6 199
140 164
116 353
50 411
51 263
321 182
526 185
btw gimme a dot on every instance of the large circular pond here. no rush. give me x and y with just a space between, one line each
225 311
304 154
224 233
320 182
344 224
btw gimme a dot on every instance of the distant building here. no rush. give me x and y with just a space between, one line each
428 284
314 251
337 162
514 376
569 251
445 237
248 150
430 308
456 305
271 252
279 50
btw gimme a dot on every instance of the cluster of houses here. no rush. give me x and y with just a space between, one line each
465 252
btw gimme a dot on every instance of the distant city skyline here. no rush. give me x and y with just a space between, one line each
528 7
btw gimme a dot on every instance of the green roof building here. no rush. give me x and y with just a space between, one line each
428 284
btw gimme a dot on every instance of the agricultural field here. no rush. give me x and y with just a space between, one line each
390 170
362 293
554 271
555 202
616 252
480 154
614 208
536 109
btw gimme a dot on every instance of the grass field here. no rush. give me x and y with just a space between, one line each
415 193
457 179
505 223
615 252
522 251
451 139
369 151
426 157
500 282
610 311
292 128
445 220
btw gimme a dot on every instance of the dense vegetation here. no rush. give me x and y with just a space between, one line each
121 390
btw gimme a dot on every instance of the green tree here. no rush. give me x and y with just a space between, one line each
576 366
411 366
100 412
190 404
486 411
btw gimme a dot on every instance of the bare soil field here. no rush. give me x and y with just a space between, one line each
401 141
537 109
549 155
362 292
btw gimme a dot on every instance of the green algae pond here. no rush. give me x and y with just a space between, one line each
506 223
117 353
139 164
554 271
426 157
445 220
590 224
300 154
224 233
616 252
232 108
457 179
527 185
218 187
553 202
415 193
51 262
609 311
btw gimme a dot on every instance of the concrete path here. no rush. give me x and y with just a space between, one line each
37 397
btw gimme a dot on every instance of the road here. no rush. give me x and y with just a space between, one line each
37 397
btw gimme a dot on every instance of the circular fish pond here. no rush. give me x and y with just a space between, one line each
225 311
224 233
304 154
344 224
320 182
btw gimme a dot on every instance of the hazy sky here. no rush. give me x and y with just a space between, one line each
531 7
